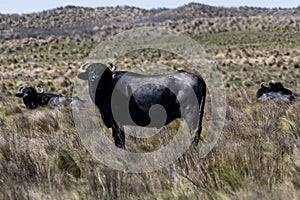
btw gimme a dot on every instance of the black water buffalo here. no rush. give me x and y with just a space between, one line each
127 98
32 99
275 91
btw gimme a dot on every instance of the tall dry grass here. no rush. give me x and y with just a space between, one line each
257 156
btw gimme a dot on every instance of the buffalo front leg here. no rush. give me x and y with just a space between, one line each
119 136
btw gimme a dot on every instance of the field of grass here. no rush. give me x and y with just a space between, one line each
256 157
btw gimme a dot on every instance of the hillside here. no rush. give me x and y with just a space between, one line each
256 157
72 20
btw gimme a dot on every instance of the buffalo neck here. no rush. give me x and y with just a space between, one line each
101 96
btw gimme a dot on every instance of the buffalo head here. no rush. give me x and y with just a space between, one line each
29 96
99 78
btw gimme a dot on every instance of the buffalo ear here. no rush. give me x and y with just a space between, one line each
83 76
20 95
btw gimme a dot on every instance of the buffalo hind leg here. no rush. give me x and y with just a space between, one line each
201 114
197 136
191 120
119 136
195 127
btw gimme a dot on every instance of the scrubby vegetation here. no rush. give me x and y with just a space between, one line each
257 156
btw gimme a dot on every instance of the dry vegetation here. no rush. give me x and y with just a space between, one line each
257 156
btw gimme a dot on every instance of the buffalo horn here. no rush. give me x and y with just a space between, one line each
20 90
83 67
40 88
262 84
112 66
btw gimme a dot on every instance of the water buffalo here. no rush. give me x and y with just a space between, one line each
174 92
275 91
32 99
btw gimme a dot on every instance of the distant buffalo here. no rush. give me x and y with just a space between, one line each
174 92
32 99
275 91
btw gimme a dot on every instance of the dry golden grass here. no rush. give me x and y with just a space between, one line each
257 156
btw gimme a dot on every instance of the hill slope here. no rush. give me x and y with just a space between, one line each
81 20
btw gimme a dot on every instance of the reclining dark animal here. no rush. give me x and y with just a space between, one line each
275 91
171 91
32 99
29 96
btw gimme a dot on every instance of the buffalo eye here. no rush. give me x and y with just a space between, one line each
94 77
